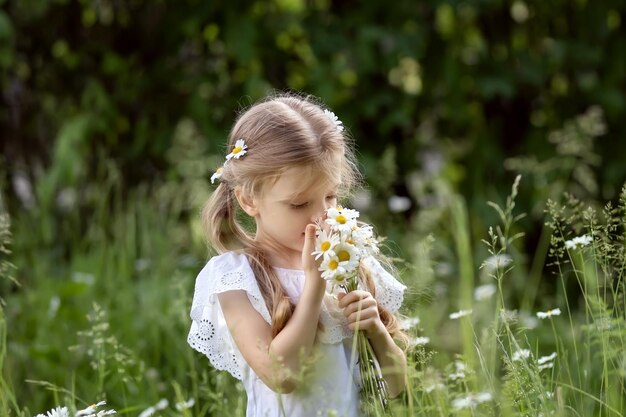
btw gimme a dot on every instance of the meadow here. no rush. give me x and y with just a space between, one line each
501 324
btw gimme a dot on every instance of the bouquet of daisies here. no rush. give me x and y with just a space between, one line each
342 245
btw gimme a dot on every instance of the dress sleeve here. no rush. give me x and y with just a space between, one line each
389 291
209 333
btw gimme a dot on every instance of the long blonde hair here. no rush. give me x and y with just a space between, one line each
281 132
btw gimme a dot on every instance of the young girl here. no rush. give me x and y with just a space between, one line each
261 310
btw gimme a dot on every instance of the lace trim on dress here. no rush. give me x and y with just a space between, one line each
209 332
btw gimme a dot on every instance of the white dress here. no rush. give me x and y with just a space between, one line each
332 386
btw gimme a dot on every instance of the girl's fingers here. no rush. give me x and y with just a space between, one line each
363 315
308 262
352 297
362 305
365 325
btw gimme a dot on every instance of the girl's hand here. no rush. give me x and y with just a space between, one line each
314 284
309 264
361 309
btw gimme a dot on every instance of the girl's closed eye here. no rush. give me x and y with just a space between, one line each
299 206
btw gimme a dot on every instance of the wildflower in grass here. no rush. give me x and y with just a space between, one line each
419 341
433 387
185 404
161 405
508 315
521 354
91 410
545 359
495 262
484 292
56 412
471 400
460 370
546 362
409 322
546 366
578 241
459 314
547 314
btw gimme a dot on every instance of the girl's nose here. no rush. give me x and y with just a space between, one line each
320 215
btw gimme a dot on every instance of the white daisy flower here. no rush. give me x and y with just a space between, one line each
217 174
409 322
56 412
333 118
325 244
495 262
545 359
161 405
484 292
520 354
238 151
342 220
581 241
430 388
348 255
545 366
460 370
419 341
185 404
332 269
363 238
90 410
547 314
471 400
461 313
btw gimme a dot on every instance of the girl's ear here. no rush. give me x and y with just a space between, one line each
246 202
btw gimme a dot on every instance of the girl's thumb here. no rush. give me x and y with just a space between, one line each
310 232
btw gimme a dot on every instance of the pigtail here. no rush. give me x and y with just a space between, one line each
277 301
224 233
219 221
387 317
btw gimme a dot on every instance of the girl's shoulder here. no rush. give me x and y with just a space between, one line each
228 261
229 271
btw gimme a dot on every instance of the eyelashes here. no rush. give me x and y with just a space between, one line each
303 205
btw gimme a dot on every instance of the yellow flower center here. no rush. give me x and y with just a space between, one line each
350 241
237 149
333 264
343 255
325 246
341 219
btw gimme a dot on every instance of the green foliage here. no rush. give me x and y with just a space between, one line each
117 113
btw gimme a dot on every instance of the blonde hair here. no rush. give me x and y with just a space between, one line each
281 132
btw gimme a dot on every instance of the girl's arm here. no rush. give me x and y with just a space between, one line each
277 361
390 357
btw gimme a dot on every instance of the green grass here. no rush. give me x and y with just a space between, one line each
104 316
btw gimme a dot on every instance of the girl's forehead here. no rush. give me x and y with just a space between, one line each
300 181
